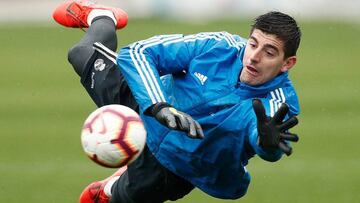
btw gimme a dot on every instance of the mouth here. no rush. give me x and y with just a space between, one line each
251 70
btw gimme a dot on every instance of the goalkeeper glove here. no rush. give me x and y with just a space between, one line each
273 132
176 120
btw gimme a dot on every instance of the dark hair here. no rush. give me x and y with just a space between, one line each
283 26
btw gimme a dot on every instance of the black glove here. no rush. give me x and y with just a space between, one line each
177 120
273 132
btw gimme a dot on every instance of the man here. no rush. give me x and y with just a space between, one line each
209 101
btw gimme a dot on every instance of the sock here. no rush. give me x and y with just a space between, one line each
109 184
100 12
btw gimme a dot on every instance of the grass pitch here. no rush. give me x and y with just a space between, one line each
43 106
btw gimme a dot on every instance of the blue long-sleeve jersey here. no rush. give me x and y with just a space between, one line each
201 77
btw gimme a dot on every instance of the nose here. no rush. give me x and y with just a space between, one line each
255 56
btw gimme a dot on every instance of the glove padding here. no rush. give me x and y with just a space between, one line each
273 132
176 120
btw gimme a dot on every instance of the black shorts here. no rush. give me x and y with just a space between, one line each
146 180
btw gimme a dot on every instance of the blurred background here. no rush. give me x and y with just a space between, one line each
43 106
191 10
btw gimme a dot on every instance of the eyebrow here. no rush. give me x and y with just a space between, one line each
266 45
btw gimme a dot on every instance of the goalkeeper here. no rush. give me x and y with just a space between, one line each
209 101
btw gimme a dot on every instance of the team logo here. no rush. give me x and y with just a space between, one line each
202 78
99 65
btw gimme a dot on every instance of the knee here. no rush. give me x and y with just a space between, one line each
78 57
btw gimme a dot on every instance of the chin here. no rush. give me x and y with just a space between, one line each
248 82
251 82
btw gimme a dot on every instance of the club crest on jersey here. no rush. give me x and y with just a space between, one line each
99 65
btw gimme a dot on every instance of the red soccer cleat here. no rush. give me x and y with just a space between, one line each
94 193
74 13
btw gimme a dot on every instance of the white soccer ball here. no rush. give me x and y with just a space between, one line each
113 136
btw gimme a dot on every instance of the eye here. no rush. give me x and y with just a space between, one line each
270 54
252 44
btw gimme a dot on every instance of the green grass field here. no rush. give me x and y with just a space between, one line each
43 106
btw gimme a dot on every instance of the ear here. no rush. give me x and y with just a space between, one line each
288 63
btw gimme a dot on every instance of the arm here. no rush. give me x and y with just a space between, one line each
142 64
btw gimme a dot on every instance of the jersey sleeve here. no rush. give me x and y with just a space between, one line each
143 62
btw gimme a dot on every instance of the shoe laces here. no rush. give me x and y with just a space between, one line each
78 16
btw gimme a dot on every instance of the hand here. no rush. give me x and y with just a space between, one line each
176 120
273 132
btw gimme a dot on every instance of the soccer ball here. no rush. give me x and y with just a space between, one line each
113 136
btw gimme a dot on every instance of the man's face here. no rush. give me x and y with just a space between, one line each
264 59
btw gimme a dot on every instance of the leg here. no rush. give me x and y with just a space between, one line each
103 20
147 181
99 75
101 30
